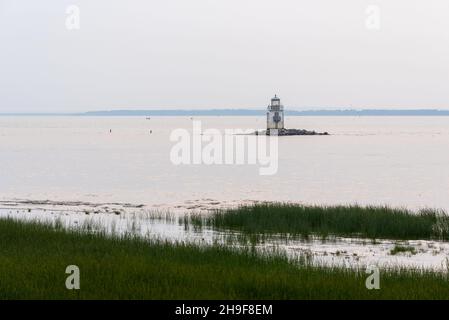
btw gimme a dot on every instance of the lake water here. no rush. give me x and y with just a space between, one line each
115 174
399 161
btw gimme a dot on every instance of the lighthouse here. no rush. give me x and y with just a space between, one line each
275 116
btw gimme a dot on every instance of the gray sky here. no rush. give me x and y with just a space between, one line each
223 54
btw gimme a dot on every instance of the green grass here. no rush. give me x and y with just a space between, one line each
350 221
33 259
402 249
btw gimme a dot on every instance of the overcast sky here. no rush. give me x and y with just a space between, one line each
138 54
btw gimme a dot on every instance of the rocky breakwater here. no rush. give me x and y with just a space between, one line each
292 132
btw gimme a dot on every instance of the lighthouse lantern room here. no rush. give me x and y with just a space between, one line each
275 115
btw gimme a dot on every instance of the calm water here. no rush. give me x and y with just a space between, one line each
400 161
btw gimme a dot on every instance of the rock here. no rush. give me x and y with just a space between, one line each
295 132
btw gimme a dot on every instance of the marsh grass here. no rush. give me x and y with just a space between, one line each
324 221
402 249
159 215
33 259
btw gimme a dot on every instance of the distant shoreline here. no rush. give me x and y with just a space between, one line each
242 112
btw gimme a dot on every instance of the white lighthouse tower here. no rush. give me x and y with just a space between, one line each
275 116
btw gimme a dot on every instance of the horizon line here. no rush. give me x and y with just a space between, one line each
234 111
